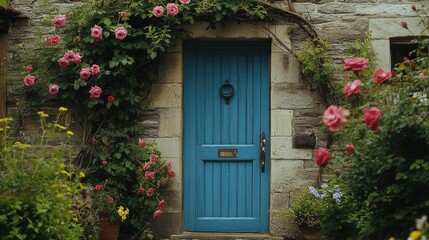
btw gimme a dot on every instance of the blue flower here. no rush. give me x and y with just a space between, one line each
314 192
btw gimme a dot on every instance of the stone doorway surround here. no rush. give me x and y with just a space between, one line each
291 168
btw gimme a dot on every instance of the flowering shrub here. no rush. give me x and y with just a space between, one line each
383 147
38 184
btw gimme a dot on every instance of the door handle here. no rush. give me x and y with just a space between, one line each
262 151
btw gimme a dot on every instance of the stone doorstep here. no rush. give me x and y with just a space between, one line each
223 236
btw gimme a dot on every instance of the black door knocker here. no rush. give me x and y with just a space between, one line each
227 90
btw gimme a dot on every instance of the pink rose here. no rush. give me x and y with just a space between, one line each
120 33
63 62
372 117
149 175
172 174
172 9
29 80
95 69
184 2
157 214
77 58
161 203
55 40
150 192
29 68
350 149
153 158
142 142
355 64
95 92
422 75
168 166
352 88
70 56
110 98
85 73
123 14
104 162
158 11
97 33
141 189
98 187
380 76
335 117
60 21
404 24
321 156
54 89
146 166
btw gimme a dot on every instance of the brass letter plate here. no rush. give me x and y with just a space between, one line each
227 153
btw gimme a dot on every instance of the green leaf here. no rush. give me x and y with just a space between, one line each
107 21
4 4
118 155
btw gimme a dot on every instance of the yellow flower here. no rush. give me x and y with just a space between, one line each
123 213
44 115
65 173
70 133
415 235
391 238
75 219
62 166
60 195
21 145
60 126
81 174
62 109
41 112
6 120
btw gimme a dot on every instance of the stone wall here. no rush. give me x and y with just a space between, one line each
295 110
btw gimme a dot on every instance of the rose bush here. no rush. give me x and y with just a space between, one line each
386 153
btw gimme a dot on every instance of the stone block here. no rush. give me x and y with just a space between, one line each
344 31
292 96
173 200
336 8
385 10
170 122
165 96
169 147
168 224
284 68
281 148
150 122
281 122
228 30
170 69
382 53
279 201
383 29
286 175
284 225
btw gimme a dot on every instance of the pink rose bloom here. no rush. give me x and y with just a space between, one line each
355 64
172 174
158 11
149 175
29 67
95 69
97 33
184 2
110 98
70 56
63 62
85 73
153 158
142 142
55 40
172 9
352 88
161 203
372 117
141 189
350 149
104 162
98 187
95 92
150 192
321 156
422 75
123 14
77 58
157 214
147 165
60 21
54 89
29 80
168 166
120 33
380 76
335 117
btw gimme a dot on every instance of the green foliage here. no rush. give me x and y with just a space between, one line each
387 177
38 185
4 4
316 63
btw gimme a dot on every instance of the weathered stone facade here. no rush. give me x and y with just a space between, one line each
295 110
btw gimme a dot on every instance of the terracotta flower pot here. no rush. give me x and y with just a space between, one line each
109 230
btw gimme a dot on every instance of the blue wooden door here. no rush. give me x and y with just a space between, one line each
225 188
